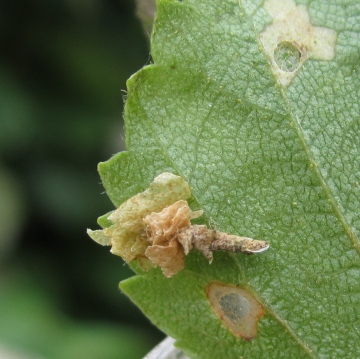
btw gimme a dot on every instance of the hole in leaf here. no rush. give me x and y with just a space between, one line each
236 308
287 56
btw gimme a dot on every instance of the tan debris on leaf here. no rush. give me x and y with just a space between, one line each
126 244
170 258
231 243
198 237
163 191
154 227
162 230
127 236
162 226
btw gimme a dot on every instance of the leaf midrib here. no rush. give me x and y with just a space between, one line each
323 183
301 135
280 320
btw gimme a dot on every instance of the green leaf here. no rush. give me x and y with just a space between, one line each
268 140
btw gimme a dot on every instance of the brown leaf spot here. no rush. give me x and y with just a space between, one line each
236 308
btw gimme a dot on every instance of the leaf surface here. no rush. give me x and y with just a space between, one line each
264 159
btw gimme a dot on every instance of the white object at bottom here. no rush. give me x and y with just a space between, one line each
166 350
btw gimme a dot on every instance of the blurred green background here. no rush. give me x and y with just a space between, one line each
63 66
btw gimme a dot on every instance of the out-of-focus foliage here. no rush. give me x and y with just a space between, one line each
146 10
63 66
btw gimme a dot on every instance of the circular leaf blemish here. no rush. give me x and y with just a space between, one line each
291 39
287 56
237 309
234 305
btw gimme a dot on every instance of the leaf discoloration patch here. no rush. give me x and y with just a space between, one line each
236 308
292 27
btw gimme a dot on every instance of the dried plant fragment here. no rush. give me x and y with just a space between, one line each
208 240
236 308
163 191
162 230
127 235
170 258
231 243
198 237
154 227
162 226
